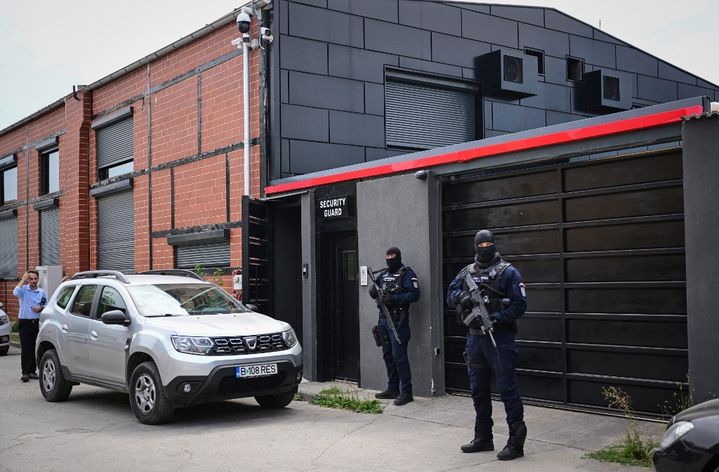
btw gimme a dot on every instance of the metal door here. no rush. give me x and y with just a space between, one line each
601 247
256 267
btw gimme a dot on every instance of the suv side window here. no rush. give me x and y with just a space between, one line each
64 297
82 306
110 299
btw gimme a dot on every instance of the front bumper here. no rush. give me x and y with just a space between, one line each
222 384
5 334
679 457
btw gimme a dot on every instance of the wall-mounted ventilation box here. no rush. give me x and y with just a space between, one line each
608 91
508 74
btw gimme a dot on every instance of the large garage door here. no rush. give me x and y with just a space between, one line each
601 247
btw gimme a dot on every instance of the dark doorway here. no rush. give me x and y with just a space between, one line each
287 264
339 352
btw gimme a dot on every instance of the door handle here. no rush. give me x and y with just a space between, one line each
63 328
93 334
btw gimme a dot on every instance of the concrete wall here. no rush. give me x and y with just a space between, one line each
701 218
401 211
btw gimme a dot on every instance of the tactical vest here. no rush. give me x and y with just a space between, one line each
392 284
488 280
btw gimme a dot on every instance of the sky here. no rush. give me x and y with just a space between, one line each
47 46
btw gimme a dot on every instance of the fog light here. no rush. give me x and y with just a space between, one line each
187 388
298 377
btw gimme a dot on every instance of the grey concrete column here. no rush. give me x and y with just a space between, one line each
309 283
701 223
402 211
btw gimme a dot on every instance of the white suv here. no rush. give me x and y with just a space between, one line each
168 338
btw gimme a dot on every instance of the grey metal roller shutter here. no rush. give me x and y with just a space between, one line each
116 232
424 117
114 143
8 247
216 254
50 237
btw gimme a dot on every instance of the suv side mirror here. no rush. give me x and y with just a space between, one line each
115 317
252 307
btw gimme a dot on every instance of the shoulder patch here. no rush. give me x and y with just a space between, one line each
523 289
415 284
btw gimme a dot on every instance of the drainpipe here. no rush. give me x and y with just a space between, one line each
246 113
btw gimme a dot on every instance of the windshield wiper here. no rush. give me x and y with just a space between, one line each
162 316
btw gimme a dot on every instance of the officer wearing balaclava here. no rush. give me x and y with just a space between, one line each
506 301
398 288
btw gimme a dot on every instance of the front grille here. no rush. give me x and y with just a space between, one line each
247 344
233 385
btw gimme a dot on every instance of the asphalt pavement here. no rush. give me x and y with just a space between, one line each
96 430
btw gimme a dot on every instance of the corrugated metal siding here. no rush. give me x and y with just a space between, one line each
50 237
8 248
428 117
116 232
215 254
114 143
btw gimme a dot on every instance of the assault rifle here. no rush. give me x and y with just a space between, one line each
383 308
479 311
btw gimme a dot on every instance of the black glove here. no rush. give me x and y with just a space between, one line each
465 299
493 318
373 292
386 298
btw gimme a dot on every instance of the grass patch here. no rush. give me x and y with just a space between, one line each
631 451
333 397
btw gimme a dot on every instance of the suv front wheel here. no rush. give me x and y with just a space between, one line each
280 400
53 385
147 395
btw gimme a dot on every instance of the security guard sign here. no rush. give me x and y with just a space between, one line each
334 207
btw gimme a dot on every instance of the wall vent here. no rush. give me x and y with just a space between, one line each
608 91
507 74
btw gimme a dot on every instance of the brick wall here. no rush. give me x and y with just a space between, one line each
188 162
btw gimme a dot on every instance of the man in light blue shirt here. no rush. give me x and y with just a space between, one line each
32 300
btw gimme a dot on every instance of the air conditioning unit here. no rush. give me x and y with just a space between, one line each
607 91
508 74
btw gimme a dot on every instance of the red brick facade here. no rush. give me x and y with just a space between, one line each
187 133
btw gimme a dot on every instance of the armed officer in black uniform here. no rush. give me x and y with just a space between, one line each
399 287
507 300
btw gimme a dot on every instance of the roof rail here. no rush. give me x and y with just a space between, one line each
177 272
93 274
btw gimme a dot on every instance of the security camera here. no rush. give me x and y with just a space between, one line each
266 34
421 175
243 22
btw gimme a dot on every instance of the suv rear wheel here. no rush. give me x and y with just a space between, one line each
53 385
280 400
147 395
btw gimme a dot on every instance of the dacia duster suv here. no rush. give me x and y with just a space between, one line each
166 340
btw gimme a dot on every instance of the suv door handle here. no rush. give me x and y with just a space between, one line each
63 328
93 334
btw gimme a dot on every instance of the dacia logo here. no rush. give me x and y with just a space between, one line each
251 342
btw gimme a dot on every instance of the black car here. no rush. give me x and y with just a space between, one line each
691 442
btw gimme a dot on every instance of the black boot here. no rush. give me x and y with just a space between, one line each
515 444
387 394
404 398
479 445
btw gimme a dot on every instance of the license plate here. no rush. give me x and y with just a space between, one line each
258 370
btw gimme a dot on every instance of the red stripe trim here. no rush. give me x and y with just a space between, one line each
561 137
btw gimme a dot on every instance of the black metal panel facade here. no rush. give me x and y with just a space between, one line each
600 245
8 247
114 143
116 232
331 94
50 236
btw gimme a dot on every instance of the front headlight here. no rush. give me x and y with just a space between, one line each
192 344
4 319
675 432
289 337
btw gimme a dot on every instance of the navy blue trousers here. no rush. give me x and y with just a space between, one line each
399 376
483 360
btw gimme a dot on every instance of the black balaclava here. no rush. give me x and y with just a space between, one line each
484 255
396 262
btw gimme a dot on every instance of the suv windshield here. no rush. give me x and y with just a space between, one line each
183 299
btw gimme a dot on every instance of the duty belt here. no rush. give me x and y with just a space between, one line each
476 332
